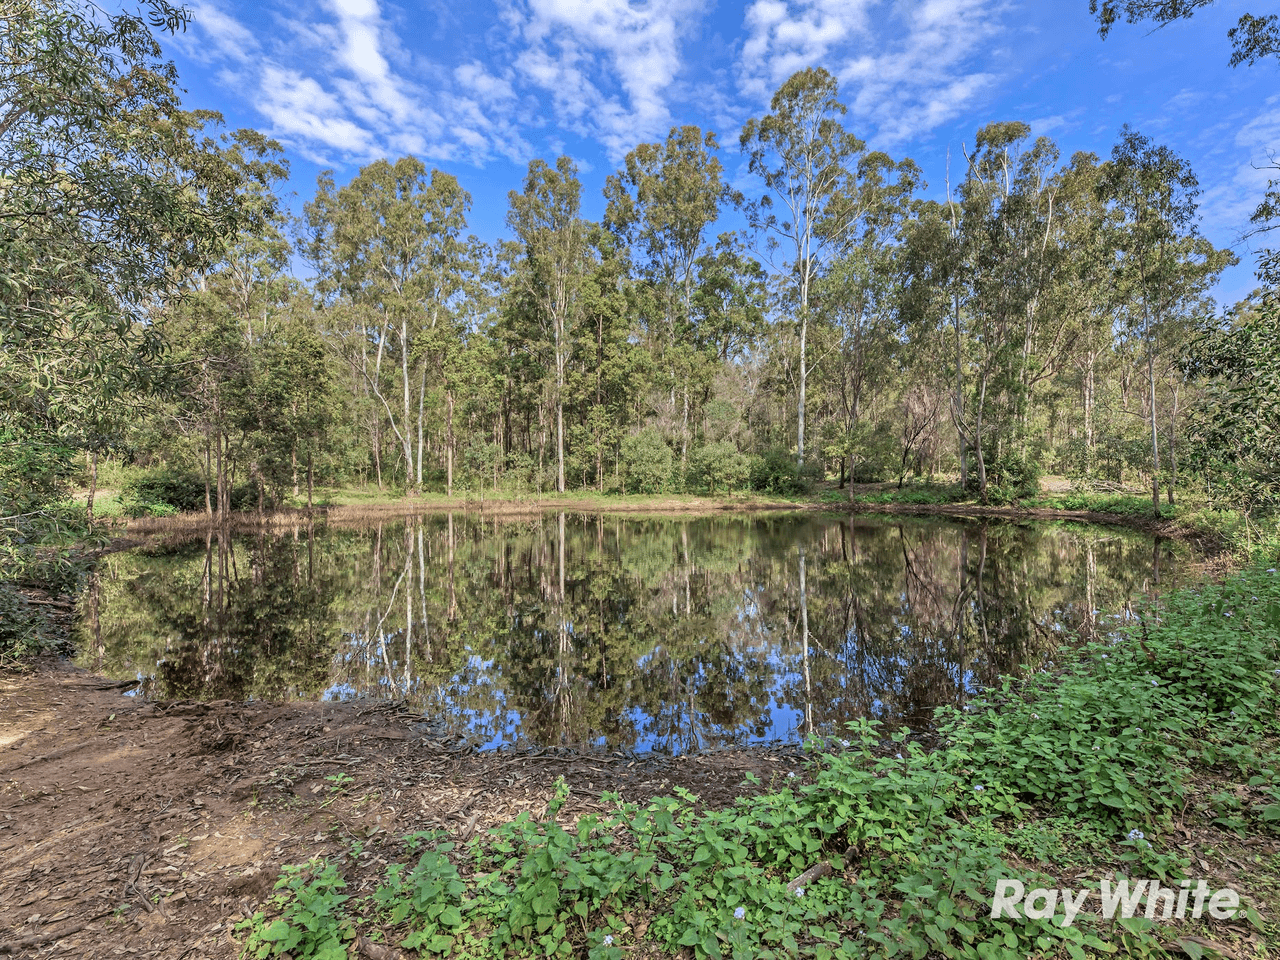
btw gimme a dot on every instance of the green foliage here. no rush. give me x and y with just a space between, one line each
35 469
775 471
311 921
647 461
718 468
924 494
161 492
1121 504
428 898
24 630
1011 478
164 491
1235 430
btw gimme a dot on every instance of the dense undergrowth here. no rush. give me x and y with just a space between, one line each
1085 769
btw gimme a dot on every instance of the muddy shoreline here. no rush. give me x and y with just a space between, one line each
136 532
155 827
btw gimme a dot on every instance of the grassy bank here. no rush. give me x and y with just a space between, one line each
1149 757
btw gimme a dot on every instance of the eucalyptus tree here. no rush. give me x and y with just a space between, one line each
1084 295
826 189
661 204
730 300
391 244
1235 425
553 257
1253 38
982 267
1009 234
110 197
857 300
1161 263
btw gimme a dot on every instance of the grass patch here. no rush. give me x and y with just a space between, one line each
1090 770
927 493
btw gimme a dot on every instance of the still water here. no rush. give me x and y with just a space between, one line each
617 632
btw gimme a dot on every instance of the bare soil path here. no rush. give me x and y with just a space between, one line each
149 829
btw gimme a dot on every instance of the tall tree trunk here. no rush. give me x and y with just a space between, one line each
93 486
1090 365
448 442
208 471
559 445
964 452
684 431
422 398
1173 446
406 441
1155 442
804 376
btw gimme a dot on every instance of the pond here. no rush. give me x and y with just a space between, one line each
612 632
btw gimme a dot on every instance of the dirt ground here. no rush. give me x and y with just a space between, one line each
149 829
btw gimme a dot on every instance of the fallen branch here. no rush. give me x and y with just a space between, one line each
52 936
816 872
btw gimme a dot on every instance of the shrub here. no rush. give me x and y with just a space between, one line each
178 489
646 461
1011 478
164 491
718 467
775 471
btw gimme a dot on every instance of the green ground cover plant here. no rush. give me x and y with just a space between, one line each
1085 767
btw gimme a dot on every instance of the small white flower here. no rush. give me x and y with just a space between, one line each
1155 683
978 788
1106 656
739 913
608 940
791 775
899 756
844 743
1035 716
1096 748
1135 834
1272 570
1227 614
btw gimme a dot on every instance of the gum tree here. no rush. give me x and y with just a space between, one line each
552 238
1161 263
661 204
111 198
808 162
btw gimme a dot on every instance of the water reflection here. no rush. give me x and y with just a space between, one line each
617 632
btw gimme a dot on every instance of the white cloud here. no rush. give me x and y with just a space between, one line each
1230 202
228 38
300 109
784 36
338 87
608 65
905 71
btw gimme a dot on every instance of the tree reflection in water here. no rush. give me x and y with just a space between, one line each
618 632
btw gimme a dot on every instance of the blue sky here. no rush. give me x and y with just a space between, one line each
478 89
